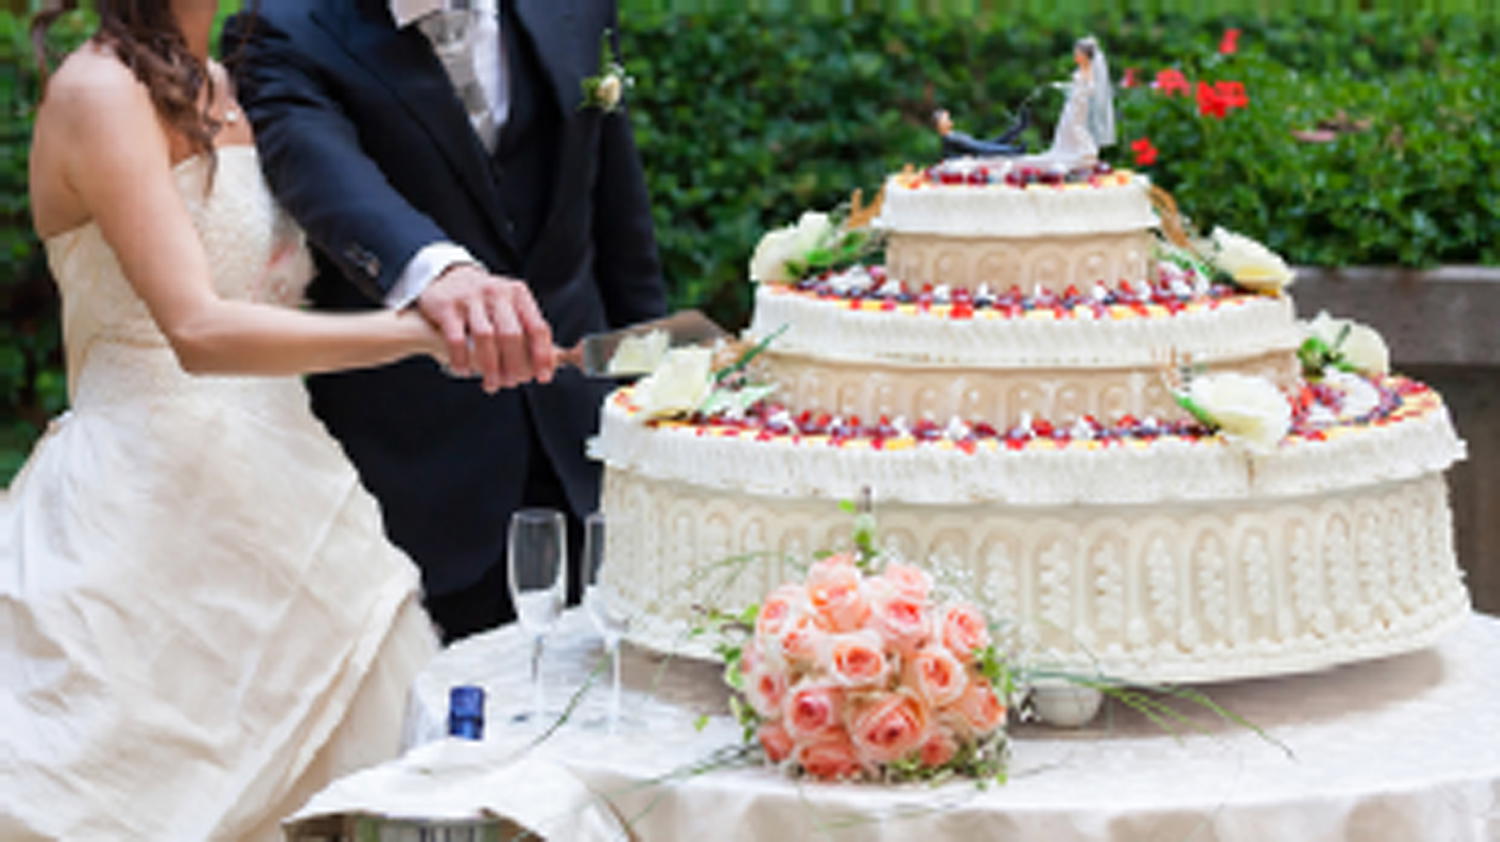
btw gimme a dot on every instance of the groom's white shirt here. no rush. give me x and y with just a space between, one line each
482 61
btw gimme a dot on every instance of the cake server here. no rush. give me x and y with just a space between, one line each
635 350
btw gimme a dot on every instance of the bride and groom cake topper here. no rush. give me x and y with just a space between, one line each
1086 124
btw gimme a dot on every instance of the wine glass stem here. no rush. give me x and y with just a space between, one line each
614 687
536 675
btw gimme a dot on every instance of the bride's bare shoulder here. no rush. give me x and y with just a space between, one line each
92 86
95 125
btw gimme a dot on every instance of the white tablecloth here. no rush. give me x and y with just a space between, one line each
1407 748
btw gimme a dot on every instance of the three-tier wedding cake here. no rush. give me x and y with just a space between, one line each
1066 414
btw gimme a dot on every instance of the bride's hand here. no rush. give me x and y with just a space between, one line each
425 337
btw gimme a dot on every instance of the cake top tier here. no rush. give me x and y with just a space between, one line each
1003 199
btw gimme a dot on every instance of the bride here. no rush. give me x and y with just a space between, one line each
1087 122
201 623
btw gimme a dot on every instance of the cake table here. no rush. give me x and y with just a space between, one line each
1403 748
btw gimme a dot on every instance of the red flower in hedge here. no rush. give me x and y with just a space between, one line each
1230 43
1130 80
1210 103
1170 81
1232 93
1145 153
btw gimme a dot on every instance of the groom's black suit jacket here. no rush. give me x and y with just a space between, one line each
365 142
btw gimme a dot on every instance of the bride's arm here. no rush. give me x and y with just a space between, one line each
118 163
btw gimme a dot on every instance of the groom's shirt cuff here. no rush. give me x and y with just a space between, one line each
430 262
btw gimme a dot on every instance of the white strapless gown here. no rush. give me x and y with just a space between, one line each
201 621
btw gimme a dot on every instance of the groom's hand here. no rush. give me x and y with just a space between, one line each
491 325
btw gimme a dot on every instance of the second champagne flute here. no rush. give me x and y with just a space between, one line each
604 607
538 568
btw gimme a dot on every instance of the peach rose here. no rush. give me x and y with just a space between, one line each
978 711
902 621
765 690
783 606
941 747
937 674
908 580
964 630
830 756
811 708
802 642
775 741
856 659
834 593
890 726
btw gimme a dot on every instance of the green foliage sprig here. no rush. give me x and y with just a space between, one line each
1317 355
744 360
844 250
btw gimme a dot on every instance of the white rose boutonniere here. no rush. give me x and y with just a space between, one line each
1249 263
606 90
1250 411
1344 344
778 248
679 385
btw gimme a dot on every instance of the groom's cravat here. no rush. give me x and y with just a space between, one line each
465 35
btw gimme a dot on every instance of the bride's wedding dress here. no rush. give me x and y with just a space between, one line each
201 621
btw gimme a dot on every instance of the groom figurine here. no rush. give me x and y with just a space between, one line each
442 154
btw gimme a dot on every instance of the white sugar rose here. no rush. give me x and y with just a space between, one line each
1249 410
679 385
1250 263
1366 351
1363 347
768 263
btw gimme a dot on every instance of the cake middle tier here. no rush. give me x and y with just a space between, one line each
1003 397
872 358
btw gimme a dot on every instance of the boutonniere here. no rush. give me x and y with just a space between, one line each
606 90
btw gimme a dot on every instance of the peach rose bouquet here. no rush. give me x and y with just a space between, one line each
849 675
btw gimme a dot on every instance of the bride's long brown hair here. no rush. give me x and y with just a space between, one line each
145 36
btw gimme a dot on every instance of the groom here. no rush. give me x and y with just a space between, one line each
440 154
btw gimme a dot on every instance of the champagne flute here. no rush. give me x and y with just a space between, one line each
603 607
537 564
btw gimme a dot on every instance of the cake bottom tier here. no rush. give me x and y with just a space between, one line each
1184 592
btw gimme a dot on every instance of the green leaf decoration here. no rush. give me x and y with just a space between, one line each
1316 355
1188 259
735 402
1195 410
750 354
864 541
842 251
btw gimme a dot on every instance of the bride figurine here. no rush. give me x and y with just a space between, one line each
1087 122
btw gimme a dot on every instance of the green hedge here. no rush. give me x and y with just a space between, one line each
745 120
31 382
